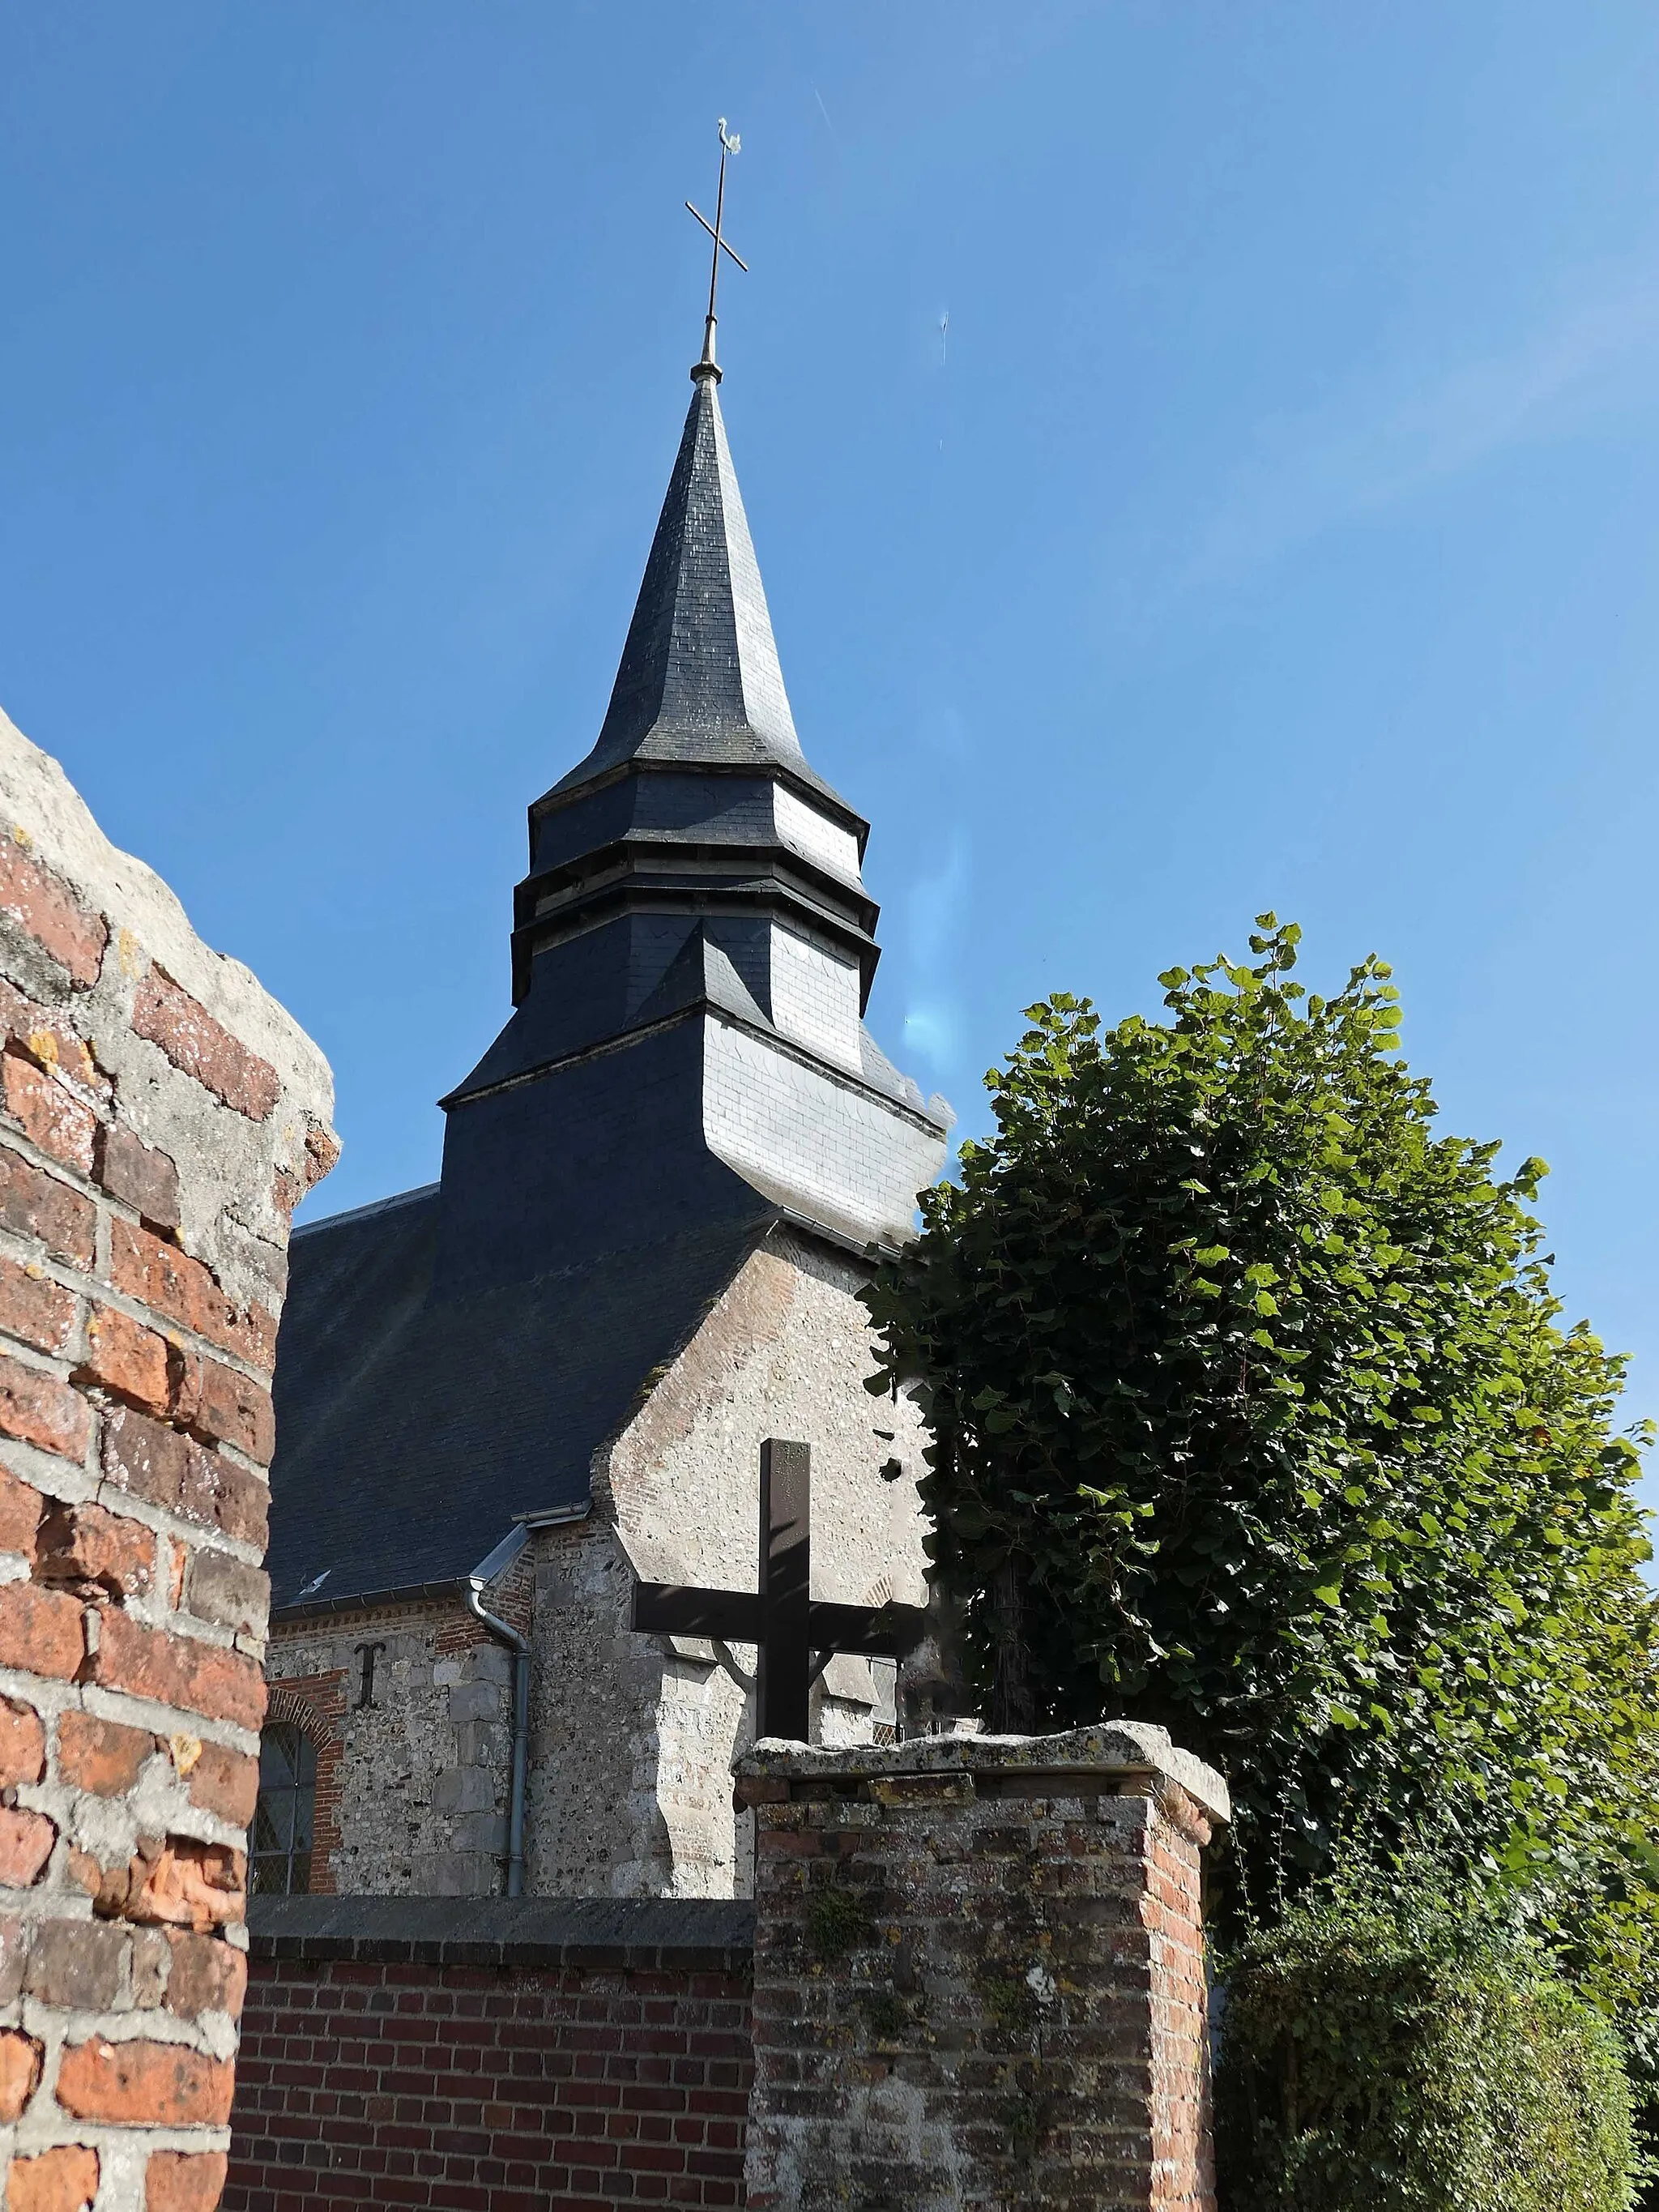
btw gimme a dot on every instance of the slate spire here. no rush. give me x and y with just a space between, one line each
699 683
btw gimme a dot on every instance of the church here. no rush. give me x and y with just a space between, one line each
509 1400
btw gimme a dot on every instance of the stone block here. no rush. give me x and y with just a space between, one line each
205 1975
483 1832
475 1701
456 1874
483 1743
464 1789
221 1589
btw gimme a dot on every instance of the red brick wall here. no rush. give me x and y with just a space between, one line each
510 2088
159 1118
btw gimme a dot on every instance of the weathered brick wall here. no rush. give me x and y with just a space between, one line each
979 1975
160 1116
504 2054
979 1982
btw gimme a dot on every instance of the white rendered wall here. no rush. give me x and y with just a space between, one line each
814 835
633 1735
833 1151
815 998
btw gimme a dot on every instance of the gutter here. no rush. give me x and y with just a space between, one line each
374 1600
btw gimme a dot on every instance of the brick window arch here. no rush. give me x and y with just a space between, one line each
314 1705
285 1818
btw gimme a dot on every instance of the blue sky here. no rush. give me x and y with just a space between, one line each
1276 523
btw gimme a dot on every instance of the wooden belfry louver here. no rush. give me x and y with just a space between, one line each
793 1633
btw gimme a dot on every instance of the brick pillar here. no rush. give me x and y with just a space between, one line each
160 1116
979 1974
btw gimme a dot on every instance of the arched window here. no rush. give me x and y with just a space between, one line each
280 1861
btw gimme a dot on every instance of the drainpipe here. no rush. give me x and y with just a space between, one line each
504 1632
553 1516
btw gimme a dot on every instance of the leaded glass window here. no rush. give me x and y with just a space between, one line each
280 1856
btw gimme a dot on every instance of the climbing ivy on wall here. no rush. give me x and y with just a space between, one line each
1254 1414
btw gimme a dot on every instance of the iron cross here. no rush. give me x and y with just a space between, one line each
782 1619
731 145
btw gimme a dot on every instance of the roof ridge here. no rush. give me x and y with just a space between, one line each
363 1213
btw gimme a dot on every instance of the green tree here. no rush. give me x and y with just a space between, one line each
1253 1415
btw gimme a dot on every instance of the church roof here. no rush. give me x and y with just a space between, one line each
685 1070
415 1425
699 684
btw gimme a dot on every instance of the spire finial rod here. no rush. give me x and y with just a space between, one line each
707 366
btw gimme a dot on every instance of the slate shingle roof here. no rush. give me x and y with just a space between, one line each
413 1425
699 681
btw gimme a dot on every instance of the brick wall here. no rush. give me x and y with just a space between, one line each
977 1976
980 1975
504 2054
160 1116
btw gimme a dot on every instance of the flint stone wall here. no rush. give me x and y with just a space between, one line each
413 1785
160 1117
979 1974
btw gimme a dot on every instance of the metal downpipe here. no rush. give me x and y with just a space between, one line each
519 1647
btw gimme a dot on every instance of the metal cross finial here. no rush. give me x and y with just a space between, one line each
707 366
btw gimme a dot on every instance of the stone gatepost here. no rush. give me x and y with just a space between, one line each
979 1974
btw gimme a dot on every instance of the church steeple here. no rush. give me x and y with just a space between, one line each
695 900
700 681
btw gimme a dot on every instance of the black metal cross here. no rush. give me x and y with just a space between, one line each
782 1619
728 146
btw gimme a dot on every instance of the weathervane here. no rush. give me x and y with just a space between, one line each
707 366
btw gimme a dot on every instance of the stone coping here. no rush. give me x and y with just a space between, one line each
1105 1749
665 1934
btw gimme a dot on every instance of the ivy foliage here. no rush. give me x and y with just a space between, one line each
1423 2058
1253 1415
